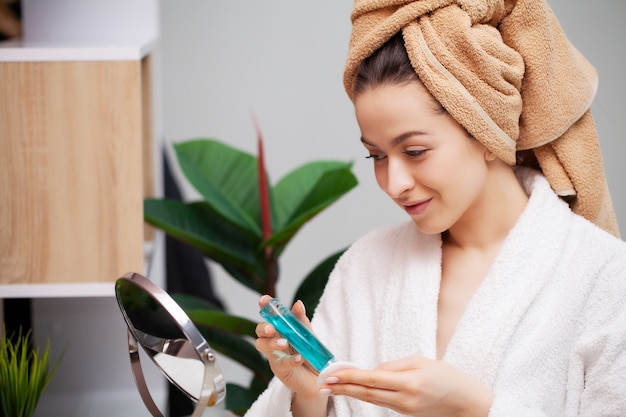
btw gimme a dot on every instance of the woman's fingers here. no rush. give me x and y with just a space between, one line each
264 329
268 339
285 362
264 300
375 387
414 386
392 375
355 379
378 396
300 311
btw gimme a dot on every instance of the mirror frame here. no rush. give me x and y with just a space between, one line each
213 388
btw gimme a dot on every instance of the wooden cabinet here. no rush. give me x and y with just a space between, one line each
75 164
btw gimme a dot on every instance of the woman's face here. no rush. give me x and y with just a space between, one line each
423 159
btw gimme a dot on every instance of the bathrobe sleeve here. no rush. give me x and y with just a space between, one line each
602 351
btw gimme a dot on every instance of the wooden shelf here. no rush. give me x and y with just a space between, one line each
75 123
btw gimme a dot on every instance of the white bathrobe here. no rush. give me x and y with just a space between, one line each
546 329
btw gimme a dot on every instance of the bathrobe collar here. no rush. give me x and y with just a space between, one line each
522 267
517 275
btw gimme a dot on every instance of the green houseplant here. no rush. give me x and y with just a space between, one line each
24 374
244 224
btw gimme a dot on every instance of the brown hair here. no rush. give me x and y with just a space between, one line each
388 65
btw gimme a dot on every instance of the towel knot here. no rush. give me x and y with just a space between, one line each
481 11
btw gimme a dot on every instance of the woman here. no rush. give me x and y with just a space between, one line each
497 298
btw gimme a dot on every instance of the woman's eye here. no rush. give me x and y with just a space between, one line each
375 157
415 153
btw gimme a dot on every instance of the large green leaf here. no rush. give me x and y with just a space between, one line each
193 302
305 192
214 236
202 312
225 177
302 185
237 348
312 287
256 282
239 399
223 321
228 334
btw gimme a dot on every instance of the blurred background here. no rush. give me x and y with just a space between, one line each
216 63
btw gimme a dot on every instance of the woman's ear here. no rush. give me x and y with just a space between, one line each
489 156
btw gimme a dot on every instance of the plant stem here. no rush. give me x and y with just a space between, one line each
271 268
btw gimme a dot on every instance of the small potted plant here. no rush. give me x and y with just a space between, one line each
24 374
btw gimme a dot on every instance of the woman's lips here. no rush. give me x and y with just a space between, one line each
417 208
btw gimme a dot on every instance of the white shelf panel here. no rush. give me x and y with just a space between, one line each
34 51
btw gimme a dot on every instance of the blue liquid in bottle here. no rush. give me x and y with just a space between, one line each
296 333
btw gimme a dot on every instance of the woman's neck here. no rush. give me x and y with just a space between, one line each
490 219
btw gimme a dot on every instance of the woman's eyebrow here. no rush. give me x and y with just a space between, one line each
366 142
398 139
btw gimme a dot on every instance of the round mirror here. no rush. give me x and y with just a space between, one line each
165 333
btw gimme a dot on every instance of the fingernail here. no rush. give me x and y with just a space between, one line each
281 342
326 392
298 358
331 380
303 306
266 329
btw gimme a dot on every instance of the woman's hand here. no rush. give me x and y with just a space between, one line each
415 386
286 363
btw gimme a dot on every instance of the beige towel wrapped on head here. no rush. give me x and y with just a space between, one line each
505 70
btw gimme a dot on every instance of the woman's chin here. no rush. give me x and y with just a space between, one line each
428 228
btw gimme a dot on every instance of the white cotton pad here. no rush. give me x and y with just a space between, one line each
333 367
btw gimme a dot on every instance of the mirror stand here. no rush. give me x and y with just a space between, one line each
166 334
140 381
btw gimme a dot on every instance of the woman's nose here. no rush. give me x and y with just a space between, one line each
399 179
